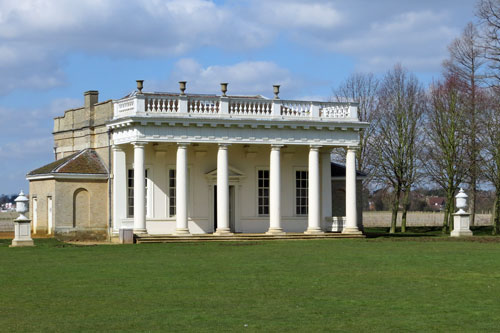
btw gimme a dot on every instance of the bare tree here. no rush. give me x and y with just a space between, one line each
490 139
444 150
465 64
488 11
361 88
399 116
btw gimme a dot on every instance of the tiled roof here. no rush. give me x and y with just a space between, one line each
83 162
435 201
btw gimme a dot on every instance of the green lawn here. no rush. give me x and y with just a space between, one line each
373 284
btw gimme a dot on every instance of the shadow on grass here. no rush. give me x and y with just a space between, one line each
482 233
410 232
43 242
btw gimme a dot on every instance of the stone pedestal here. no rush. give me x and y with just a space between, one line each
22 231
461 224
126 236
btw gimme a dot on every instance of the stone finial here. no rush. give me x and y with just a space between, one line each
140 85
223 88
276 89
461 200
182 87
21 204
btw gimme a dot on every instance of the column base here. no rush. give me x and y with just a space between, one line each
314 231
461 233
223 232
275 231
351 231
182 232
140 231
19 243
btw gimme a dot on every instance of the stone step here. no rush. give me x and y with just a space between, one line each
235 238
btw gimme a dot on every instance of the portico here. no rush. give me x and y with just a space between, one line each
166 148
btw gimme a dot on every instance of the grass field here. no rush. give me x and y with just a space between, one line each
373 284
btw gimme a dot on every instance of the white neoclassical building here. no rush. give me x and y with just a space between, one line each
186 164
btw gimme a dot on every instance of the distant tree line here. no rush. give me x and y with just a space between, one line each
445 135
6 198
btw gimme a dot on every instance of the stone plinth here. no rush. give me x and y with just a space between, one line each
461 225
22 229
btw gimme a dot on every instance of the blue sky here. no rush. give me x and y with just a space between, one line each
53 51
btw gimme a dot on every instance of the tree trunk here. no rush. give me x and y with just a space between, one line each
472 203
445 220
448 212
496 214
406 204
395 207
451 219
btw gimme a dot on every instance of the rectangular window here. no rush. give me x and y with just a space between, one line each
171 192
263 192
301 196
130 192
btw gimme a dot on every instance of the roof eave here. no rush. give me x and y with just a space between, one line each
54 175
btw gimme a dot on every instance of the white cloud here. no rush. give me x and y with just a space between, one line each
36 36
248 77
59 105
299 15
25 148
26 141
417 39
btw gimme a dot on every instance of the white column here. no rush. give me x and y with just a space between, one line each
351 226
326 187
139 188
222 192
181 191
275 192
119 187
314 203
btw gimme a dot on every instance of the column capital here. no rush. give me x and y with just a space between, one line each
139 144
352 148
117 147
276 147
315 147
182 144
224 145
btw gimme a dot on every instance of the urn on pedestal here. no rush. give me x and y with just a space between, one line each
22 225
461 217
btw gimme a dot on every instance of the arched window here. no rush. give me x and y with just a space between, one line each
81 208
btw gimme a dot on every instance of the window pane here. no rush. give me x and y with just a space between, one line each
263 192
171 192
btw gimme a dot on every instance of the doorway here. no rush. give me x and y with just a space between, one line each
232 215
34 214
49 215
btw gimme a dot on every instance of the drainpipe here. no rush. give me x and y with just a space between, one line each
110 209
